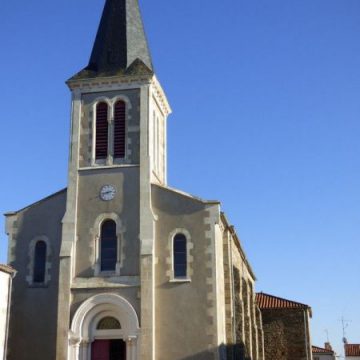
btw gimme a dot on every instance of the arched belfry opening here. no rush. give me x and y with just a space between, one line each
104 327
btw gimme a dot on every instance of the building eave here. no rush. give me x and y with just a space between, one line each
185 194
232 230
160 93
272 302
14 213
7 269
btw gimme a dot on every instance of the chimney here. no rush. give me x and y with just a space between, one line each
328 346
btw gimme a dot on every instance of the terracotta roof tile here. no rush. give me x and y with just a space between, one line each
266 301
352 349
6 268
319 350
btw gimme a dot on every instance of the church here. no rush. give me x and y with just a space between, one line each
120 266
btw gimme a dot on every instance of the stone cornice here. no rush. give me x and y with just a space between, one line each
122 83
160 96
109 83
105 282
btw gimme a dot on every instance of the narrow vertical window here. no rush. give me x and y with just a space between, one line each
108 246
119 129
102 128
180 256
39 262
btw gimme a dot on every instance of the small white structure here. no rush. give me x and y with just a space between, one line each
6 275
325 353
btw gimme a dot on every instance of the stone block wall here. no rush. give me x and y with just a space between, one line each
243 318
286 334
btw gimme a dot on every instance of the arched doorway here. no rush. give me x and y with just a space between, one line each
105 327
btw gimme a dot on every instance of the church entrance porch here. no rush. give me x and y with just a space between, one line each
105 327
108 350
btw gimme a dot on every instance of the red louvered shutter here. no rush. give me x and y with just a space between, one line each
101 131
119 129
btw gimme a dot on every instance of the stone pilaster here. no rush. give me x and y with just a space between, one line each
68 236
147 236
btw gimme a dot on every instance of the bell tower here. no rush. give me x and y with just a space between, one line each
117 150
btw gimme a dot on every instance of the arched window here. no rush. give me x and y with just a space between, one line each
108 323
39 262
180 256
119 129
108 247
102 128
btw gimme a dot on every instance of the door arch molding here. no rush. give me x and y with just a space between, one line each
82 332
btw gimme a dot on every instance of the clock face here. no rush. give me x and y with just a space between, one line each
107 192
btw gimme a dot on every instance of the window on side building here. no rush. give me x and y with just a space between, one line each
180 256
39 262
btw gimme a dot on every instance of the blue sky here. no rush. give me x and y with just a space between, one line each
266 101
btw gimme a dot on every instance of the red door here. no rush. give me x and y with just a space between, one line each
108 350
100 350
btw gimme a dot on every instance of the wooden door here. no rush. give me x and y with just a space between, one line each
108 350
117 350
100 350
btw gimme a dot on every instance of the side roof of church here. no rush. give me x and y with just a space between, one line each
49 197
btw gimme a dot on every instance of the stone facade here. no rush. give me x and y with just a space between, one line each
34 306
209 313
243 317
63 293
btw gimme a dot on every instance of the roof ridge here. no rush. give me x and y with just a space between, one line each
36 202
322 350
186 194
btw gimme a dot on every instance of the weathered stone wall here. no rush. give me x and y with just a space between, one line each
243 320
285 334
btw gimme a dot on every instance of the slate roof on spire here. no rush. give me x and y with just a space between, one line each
120 47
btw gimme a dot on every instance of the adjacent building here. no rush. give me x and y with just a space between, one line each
325 353
6 275
286 328
119 264
352 351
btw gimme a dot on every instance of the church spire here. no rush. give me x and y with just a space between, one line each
120 42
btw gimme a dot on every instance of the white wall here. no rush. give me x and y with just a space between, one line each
4 295
323 357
